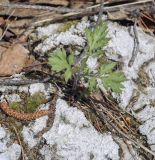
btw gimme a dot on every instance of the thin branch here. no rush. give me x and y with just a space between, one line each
51 117
7 27
100 12
117 7
38 7
136 46
22 149
12 82
95 9
105 119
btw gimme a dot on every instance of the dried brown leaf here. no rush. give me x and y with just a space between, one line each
13 60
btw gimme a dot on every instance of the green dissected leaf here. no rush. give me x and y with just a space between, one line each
60 62
98 53
97 37
92 84
114 81
117 76
111 79
83 62
71 59
61 53
86 71
115 87
68 74
107 68
57 64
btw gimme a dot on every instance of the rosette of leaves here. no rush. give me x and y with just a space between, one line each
96 39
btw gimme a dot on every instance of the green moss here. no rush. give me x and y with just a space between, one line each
16 106
30 103
34 101
66 26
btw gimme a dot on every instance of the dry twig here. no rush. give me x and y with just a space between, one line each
37 7
136 46
105 117
51 117
95 9
22 149
7 27
12 82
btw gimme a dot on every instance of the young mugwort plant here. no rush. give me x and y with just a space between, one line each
93 68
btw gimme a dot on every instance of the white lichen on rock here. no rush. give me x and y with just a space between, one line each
11 151
47 31
46 89
13 98
92 63
2 132
150 69
148 129
33 128
36 87
72 36
74 137
120 49
121 46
